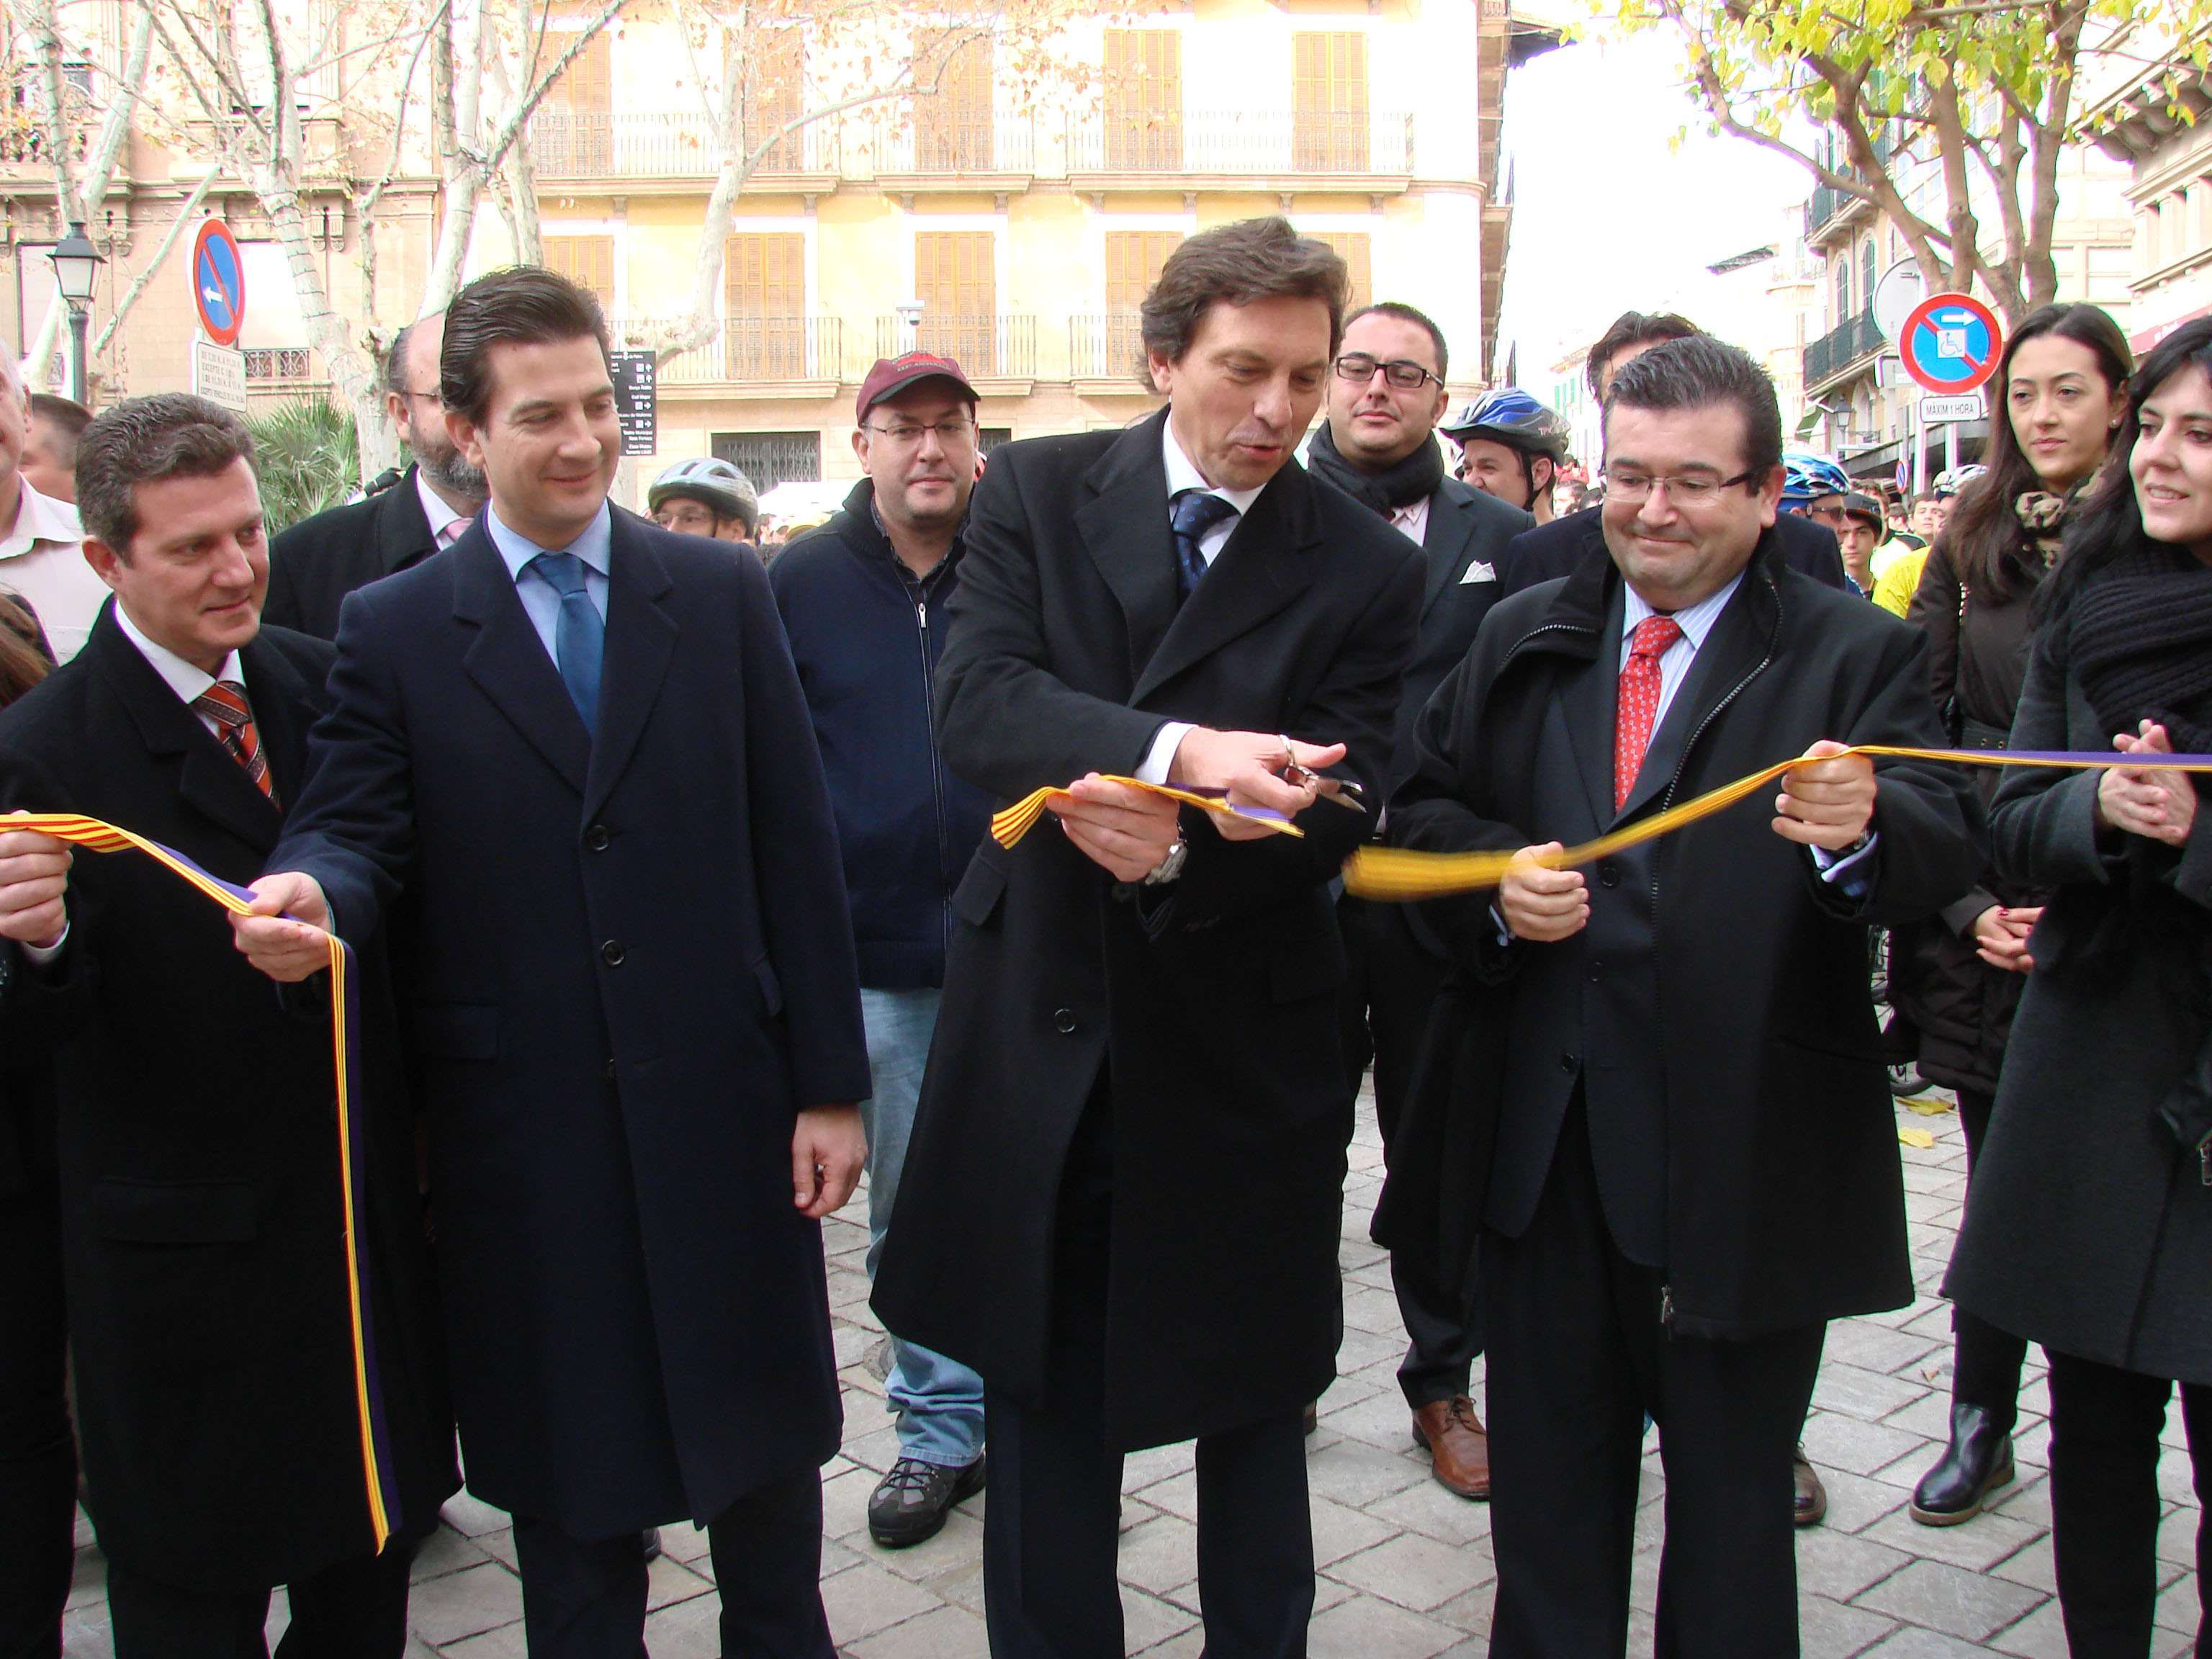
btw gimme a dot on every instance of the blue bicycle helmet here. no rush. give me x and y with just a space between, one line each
1510 417
1807 477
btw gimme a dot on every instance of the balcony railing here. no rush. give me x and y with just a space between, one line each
1828 203
935 142
1103 347
567 145
1837 350
1001 346
1249 141
756 348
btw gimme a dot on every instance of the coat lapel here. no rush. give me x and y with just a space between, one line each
208 782
1451 536
1730 649
284 706
641 641
1124 525
1265 564
509 663
1592 702
404 536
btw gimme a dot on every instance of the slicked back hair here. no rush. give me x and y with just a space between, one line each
1406 313
1634 328
1701 372
165 434
522 305
1251 259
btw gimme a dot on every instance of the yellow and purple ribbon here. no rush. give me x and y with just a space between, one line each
1016 821
95 836
1403 874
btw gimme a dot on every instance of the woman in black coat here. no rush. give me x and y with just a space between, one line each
38 1453
1955 978
2088 1225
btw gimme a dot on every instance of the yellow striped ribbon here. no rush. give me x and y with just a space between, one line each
1016 821
1403 873
95 836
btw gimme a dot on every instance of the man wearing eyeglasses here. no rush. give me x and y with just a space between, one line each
314 565
1665 1144
863 601
1385 392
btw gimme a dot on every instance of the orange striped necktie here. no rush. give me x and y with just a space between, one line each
224 703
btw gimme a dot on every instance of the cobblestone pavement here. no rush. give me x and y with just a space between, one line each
1406 1566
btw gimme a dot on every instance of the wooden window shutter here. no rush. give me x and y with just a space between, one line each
764 305
1353 247
1133 259
586 261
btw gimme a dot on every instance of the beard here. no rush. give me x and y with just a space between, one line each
443 466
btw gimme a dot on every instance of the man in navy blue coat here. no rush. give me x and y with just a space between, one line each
568 765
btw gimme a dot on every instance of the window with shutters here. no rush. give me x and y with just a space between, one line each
1144 100
1133 259
1353 247
575 136
952 130
1328 103
764 305
772 88
586 261
954 276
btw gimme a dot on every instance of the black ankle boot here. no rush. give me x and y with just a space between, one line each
1977 1462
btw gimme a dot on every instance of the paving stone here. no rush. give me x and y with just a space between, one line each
866 1598
464 1603
949 1632
1352 1472
1339 1530
443 1552
1969 1605
1161 1555
469 1515
1910 1642
2041 1635
1977 1545
1364 1628
1837 1440
1412 1572
1838 1566
1426 1508
1147 1621
1860 1392
960 1541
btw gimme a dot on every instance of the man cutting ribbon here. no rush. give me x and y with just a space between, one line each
206 1226
1656 1121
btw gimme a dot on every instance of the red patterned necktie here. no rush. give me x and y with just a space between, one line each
1639 701
224 703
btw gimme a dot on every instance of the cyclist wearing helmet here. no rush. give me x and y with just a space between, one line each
1813 487
1512 446
707 497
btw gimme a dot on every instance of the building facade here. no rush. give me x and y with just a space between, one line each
2156 126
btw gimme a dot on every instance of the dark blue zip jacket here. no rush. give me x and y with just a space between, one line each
867 637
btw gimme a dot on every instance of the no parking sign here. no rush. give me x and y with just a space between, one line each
219 283
1950 342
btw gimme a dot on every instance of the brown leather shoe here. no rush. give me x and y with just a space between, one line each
1811 1501
1459 1448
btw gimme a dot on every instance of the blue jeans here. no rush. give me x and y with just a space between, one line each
939 1401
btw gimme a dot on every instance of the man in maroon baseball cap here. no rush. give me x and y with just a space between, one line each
892 375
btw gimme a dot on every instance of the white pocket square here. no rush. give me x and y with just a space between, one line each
1479 572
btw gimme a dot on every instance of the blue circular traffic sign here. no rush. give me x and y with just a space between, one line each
1950 342
219 283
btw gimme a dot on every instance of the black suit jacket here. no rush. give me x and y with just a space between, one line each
1715 1006
199 1158
1067 654
1554 549
632 967
314 564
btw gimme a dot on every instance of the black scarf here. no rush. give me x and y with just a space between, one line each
1414 479
2142 639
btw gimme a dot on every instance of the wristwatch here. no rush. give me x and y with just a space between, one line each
1170 866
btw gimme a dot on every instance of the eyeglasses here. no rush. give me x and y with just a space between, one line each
1623 485
905 433
1402 372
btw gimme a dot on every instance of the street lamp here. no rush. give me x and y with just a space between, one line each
76 264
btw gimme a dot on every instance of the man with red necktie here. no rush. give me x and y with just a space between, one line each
1664 1141
202 1223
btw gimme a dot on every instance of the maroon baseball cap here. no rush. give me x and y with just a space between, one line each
892 375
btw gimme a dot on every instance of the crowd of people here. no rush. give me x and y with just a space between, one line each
668 870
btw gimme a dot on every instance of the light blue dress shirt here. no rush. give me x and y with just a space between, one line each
540 599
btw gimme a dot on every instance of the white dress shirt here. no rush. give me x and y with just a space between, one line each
42 559
1183 474
595 547
1413 519
446 523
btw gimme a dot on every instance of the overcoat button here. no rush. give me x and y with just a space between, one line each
612 953
1568 1063
597 839
1063 1020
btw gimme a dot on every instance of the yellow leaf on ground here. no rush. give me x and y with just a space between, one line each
1930 1108
1919 1138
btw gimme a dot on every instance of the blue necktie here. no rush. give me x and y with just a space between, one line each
1195 513
581 635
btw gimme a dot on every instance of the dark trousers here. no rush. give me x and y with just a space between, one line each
38 1453
354 1610
2105 1429
1578 1356
1052 1486
1985 1361
584 1598
1392 983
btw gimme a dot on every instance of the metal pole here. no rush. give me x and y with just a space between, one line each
1950 446
80 320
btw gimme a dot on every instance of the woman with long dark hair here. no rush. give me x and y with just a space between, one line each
2089 1224
38 1456
1956 978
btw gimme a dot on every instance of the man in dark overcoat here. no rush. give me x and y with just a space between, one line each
569 761
1666 1118
1122 1200
315 563
202 1223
